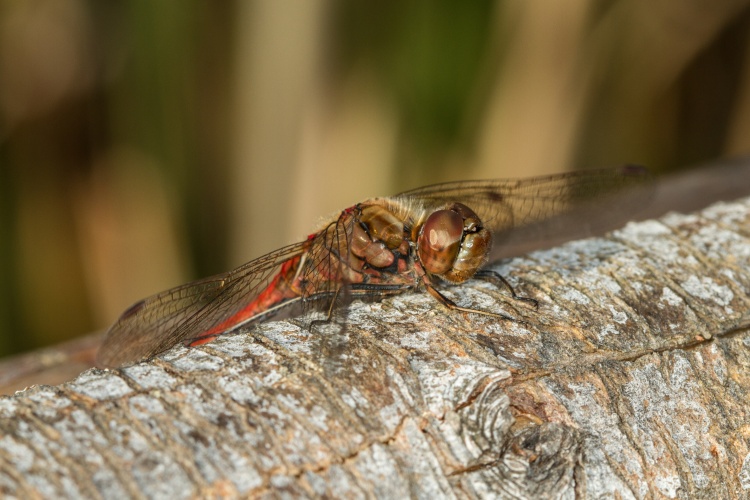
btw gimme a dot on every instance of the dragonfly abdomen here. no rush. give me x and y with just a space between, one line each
282 288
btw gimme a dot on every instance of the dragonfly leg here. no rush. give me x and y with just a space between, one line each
329 312
332 305
452 305
488 275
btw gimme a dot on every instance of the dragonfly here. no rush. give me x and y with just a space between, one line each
424 239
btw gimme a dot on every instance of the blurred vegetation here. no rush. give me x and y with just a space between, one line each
144 144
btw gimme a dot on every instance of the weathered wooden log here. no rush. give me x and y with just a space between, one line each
631 380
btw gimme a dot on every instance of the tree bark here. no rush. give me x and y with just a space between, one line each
631 380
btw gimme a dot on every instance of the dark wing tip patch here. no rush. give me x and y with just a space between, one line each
495 197
133 310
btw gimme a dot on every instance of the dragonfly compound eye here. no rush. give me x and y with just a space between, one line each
453 243
475 246
439 240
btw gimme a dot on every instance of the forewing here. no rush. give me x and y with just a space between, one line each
525 214
324 274
157 323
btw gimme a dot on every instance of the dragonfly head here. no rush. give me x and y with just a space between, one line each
453 243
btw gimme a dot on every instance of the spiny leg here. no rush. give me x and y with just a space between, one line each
452 305
489 275
332 305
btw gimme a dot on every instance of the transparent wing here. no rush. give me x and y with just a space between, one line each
205 308
525 214
160 321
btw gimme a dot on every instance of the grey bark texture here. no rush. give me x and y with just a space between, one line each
631 380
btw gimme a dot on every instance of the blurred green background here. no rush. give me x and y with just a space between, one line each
147 143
